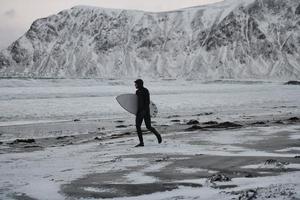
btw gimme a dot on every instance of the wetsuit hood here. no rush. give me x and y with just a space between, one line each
139 83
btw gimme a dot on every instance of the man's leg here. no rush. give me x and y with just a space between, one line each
138 122
147 119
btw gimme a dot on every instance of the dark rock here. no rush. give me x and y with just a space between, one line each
61 137
246 194
126 133
270 161
17 141
76 120
192 122
208 113
222 187
114 136
19 53
64 137
276 163
205 113
175 120
164 125
258 123
249 176
75 189
123 134
294 119
297 157
4 62
21 196
297 11
225 125
32 146
1 142
119 121
210 123
162 159
121 126
292 83
173 116
97 138
279 122
218 178
193 128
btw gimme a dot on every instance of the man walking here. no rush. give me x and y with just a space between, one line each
143 112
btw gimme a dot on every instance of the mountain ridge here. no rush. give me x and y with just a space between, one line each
250 39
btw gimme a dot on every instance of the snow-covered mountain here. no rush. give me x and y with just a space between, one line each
239 39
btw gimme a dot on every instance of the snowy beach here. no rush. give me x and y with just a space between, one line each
223 74
69 139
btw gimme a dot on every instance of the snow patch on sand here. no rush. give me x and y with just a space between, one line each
273 166
194 170
289 149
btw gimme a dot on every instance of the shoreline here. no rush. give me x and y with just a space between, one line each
97 165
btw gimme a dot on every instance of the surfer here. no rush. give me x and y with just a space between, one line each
143 112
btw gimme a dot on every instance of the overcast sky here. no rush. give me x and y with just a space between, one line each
16 16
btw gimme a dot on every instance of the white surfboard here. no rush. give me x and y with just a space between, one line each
130 103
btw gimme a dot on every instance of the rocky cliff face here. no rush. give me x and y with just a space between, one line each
257 39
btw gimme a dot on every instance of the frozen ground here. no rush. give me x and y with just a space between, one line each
93 158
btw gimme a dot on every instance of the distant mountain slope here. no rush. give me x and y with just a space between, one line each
257 39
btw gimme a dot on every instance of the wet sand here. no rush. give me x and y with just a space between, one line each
211 155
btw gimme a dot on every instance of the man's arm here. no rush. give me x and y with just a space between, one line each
147 98
140 101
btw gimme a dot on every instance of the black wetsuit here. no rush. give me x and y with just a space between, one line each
144 114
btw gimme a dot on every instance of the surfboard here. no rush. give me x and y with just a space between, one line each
130 103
